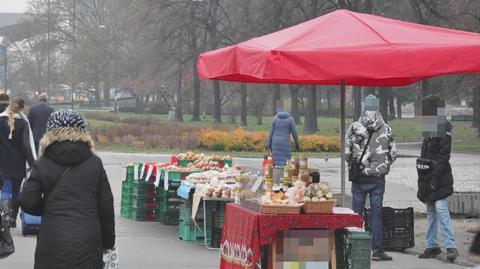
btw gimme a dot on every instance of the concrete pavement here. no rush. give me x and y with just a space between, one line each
152 245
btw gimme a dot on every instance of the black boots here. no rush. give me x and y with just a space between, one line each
380 255
452 254
430 253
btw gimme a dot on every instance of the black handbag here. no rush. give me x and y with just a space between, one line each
6 241
355 168
424 166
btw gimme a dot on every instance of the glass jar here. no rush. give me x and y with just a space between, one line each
303 162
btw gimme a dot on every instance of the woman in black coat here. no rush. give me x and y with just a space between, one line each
77 211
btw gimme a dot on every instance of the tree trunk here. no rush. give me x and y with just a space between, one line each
178 95
259 116
294 104
106 94
329 103
243 105
383 96
97 90
399 107
217 106
476 107
391 103
276 97
310 124
357 102
425 88
196 94
319 101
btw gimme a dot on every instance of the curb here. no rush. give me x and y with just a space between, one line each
443 257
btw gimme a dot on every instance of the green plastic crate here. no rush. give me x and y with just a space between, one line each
145 214
184 163
145 201
176 175
126 212
144 189
188 232
169 218
127 187
353 249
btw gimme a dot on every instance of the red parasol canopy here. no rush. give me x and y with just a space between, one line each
360 49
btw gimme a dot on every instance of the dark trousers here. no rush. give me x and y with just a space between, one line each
375 191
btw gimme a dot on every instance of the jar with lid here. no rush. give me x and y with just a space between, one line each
303 161
304 176
296 170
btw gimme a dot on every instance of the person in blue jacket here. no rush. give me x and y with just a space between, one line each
283 125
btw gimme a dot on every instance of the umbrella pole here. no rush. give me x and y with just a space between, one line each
342 137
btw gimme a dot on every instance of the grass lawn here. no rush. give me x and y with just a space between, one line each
465 138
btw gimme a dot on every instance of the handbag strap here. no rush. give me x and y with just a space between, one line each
56 183
366 146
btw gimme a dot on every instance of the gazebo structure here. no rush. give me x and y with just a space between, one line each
346 48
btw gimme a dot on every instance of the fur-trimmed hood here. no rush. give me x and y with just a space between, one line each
63 135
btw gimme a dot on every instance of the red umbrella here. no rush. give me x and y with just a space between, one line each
346 48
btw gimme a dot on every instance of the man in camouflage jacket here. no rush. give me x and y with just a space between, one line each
375 164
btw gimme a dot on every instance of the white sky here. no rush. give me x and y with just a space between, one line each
13 6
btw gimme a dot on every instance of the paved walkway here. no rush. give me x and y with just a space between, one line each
155 246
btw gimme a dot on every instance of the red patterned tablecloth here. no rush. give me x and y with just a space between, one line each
244 231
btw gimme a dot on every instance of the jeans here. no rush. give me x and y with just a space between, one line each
438 215
10 189
375 191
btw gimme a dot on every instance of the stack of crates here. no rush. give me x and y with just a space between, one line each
187 230
398 227
169 205
126 200
145 201
353 249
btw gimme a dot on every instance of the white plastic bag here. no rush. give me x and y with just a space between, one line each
110 259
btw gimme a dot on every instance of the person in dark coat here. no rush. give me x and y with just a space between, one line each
77 213
16 149
38 116
435 179
283 125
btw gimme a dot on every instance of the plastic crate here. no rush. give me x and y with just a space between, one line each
145 214
353 249
176 175
167 204
126 212
398 227
169 217
144 189
189 232
398 238
145 201
127 187
216 237
184 163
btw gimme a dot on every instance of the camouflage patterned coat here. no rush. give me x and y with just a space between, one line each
381 151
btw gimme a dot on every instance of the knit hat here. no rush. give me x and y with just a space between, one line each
371 103
66 119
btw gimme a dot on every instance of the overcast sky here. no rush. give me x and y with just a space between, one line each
13 6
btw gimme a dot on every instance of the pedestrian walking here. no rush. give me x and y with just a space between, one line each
69 188
435 179
370 150
38 116
16 149
279 143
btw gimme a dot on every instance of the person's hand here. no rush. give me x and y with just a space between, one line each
297 148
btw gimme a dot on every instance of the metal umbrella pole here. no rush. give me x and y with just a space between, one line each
342 134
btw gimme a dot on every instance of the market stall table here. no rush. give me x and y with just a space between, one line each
244 231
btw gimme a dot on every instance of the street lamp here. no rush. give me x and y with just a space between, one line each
73 54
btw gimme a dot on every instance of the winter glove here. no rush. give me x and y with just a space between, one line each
297 148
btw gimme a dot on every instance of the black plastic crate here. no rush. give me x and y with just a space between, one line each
393 217
398 238
398 227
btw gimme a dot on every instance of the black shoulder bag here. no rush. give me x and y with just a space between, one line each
424 165
6 241
356 167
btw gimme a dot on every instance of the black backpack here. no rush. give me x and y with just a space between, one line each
6 240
